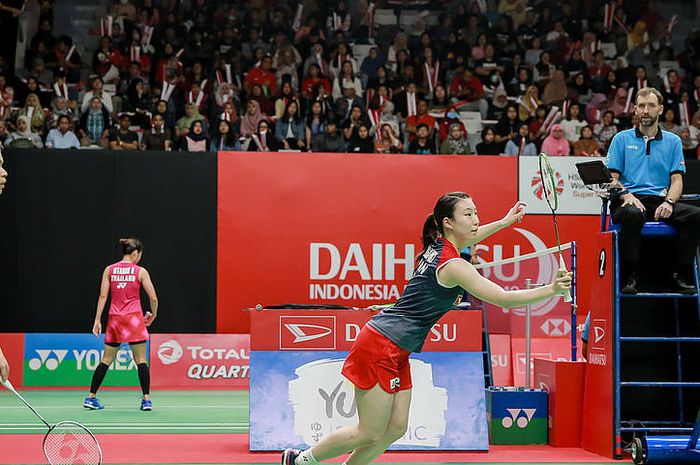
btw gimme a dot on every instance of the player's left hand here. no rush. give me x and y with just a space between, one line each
516 213
148 319
663 211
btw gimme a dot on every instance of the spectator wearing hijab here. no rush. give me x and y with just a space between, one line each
196 139
556 144
361 142
456 142
23 137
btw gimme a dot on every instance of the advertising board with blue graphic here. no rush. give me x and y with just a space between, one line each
70 359
297 398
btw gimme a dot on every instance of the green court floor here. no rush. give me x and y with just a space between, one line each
173 412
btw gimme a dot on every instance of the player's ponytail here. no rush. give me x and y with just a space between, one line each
430 233
130 245
432 227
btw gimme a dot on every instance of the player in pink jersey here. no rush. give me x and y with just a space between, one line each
126 322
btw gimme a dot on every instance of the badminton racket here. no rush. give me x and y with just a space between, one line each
66 442
551 195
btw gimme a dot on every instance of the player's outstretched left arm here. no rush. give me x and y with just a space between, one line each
516 213
147 285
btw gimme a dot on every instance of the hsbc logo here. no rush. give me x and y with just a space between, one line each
307 333
556 327
597 336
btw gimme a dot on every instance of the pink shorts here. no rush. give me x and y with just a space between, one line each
374 359
126 328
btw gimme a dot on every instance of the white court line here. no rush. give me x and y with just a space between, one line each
44 407
132 428
169 423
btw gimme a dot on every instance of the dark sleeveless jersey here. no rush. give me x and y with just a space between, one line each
423 302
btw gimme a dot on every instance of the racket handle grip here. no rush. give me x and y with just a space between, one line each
562 265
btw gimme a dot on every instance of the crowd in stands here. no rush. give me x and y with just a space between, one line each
324 76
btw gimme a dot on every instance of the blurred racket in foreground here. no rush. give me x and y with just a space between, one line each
67 442
550 194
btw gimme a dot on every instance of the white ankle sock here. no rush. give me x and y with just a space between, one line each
306 458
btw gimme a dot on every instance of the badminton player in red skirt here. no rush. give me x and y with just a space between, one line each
126 322
378 362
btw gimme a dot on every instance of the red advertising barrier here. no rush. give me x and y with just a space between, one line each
339 229
333 228
12 345
457 331
564 383
552 348
200 361
597 430
501 366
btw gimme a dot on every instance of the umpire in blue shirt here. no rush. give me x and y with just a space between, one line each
649 165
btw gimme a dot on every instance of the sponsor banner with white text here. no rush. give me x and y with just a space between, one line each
297 398
345 230
574 197
70 359
323 330
200 361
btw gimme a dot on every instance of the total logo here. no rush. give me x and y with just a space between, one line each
307 333
45 359
515 418
170 352
556 327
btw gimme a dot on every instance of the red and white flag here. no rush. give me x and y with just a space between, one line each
431 75
672 23
411 108
629 100
135 53
609 14
167 91
60 91
550 119
106 24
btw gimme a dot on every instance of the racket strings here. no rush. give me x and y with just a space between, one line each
70 443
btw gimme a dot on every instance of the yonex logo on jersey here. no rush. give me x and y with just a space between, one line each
521 421
121 285
170 352
46 359
394 383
